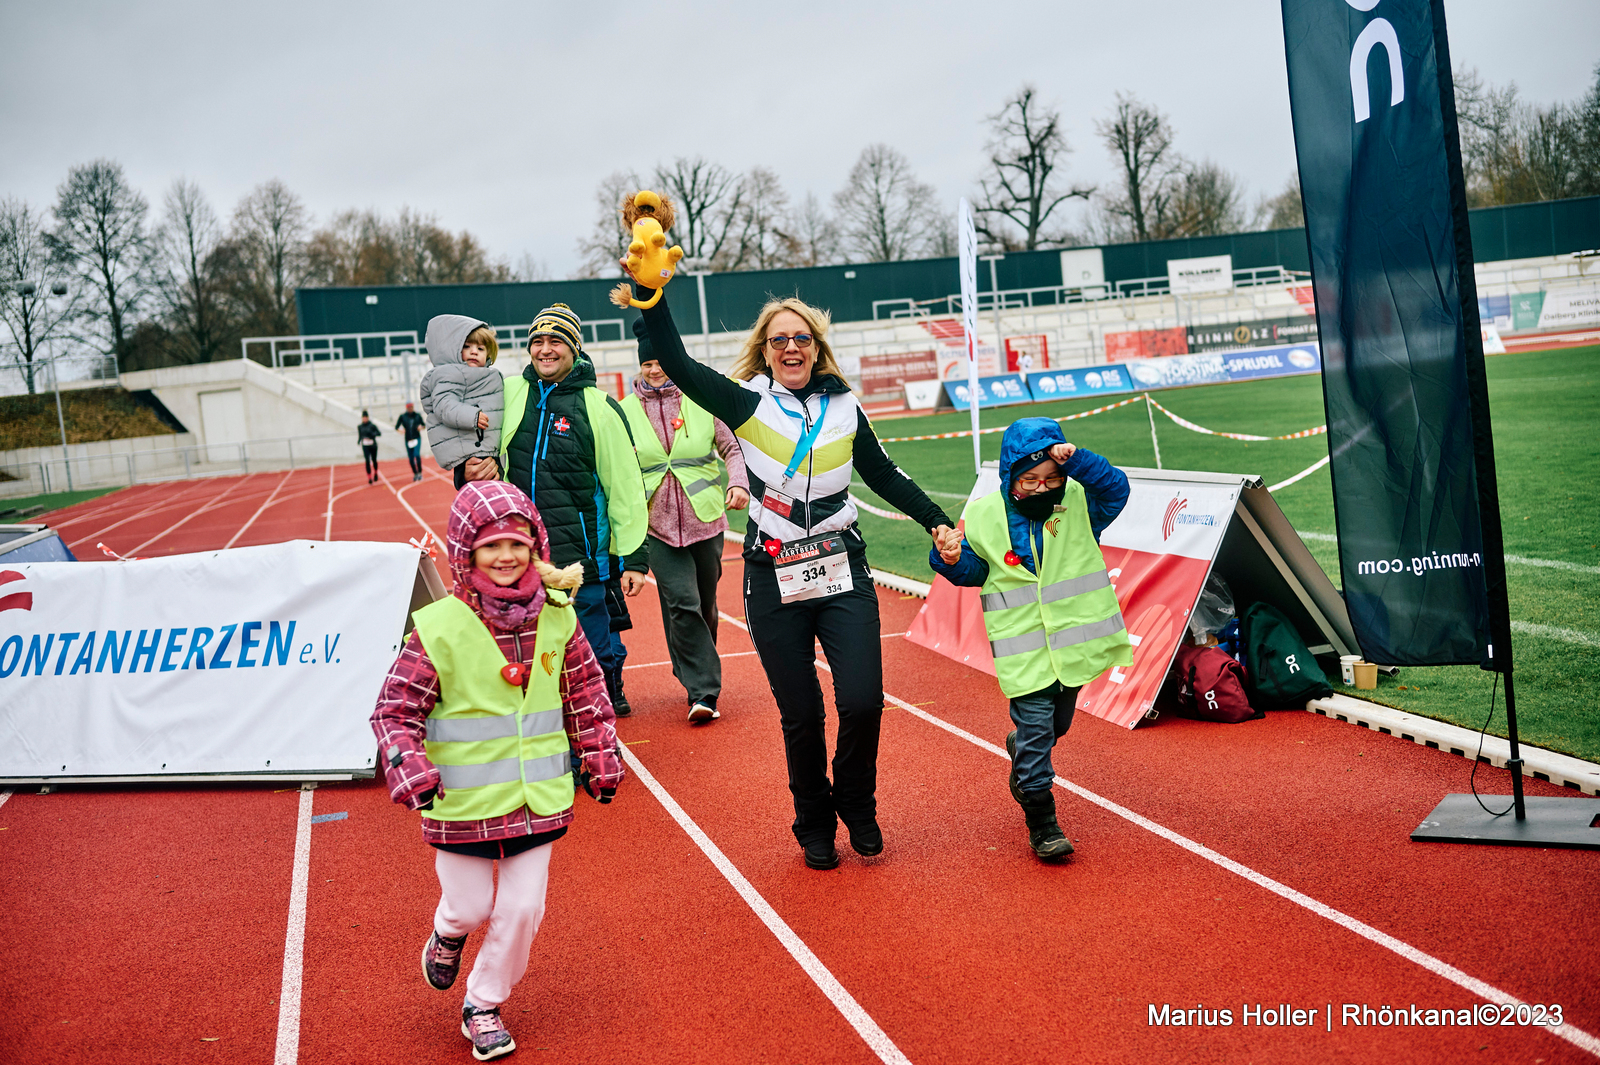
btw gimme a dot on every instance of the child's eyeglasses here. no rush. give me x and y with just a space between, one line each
1031 484
801 341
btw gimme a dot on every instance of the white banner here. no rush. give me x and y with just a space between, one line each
967 239
257 660
1579 305
1210 273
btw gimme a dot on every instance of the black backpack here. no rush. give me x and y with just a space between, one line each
1280 668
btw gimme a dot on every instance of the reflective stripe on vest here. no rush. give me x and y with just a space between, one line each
769 437
1063 625
496 748
693 460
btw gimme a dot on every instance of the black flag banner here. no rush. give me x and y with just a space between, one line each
1380 173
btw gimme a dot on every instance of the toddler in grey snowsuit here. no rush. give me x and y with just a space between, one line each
463 396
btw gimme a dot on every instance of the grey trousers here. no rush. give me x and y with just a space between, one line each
686 583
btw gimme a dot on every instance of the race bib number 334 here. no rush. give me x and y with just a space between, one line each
813 568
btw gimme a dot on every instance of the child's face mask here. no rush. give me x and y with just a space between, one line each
1036 491
475 355
503 561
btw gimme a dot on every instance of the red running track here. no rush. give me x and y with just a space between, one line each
148 924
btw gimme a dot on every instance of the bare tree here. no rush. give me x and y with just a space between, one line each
29 272
608 241
363 248
267 249
1206 201
708 200
1140 139
885 214
1586 138
100 229
188 279
761 240
529 268
1026 147
1283 211
814 233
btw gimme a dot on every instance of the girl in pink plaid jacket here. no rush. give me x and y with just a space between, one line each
499 556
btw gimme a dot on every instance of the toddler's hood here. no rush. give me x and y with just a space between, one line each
446 334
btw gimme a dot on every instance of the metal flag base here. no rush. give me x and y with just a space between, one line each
1551 822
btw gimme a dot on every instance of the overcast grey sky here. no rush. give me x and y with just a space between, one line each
502 118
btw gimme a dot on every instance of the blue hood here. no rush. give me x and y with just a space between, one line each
1027 442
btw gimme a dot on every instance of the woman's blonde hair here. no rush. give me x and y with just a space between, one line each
752 358
485 336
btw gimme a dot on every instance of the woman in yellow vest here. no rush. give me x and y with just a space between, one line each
1048 604
478 719
678 443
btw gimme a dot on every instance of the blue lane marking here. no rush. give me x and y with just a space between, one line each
316 818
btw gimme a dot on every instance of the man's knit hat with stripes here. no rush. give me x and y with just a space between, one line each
559 321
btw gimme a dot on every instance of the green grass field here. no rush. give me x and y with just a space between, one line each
53 501
1547 449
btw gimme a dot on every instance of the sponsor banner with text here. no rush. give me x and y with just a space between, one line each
998 391
263 660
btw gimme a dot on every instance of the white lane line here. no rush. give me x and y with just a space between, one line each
1553 563
400 495
294 943
1307 472
164 501
217 501
267 503
1576 1036
876 1038
4 795
1556 632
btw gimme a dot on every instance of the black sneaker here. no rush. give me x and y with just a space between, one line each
441 960
820 854
619 702
487 1032
866 840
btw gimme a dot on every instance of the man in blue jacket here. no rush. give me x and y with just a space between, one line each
1051 614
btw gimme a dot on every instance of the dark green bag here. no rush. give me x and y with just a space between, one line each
1279 666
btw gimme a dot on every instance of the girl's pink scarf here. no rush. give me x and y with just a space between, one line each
513 607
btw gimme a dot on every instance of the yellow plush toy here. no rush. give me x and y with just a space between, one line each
649 259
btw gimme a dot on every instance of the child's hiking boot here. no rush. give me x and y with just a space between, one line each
1011 752
866 839
619 701
441 960
1044 835
487 1032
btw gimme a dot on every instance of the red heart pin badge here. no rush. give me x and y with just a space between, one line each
1013 559
514 672
677 423
773 547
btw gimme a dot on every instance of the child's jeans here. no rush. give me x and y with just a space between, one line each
1041 717
468 898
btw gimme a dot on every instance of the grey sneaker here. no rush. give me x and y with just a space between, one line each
487 1032
441 960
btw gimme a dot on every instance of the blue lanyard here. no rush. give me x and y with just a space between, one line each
809 437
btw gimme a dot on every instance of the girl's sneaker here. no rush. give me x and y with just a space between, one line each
441 960
487 1032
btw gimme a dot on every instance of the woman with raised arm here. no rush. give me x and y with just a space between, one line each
806 576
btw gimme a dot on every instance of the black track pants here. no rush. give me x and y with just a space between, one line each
369 453
686 580
847 626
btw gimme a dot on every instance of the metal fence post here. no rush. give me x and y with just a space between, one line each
186 472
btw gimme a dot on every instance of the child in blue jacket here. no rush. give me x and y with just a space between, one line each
1052 616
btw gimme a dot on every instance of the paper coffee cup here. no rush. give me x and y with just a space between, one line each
1366 676
1347 669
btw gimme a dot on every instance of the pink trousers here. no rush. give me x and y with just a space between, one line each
468 898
